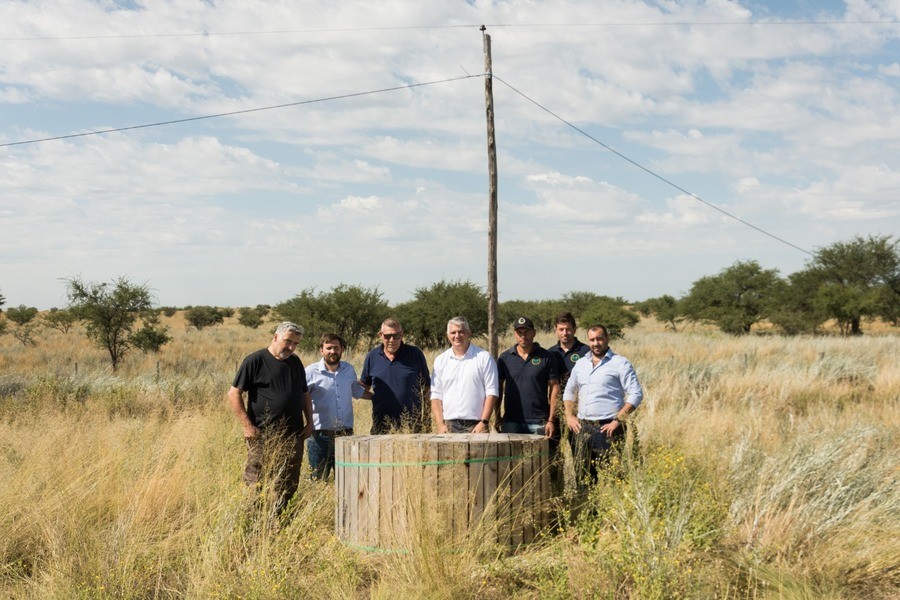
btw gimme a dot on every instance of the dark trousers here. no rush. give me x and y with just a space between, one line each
320 449
275 457
460 425
591 447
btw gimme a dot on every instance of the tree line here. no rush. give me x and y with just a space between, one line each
848 282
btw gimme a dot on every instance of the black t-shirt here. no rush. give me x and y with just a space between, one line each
525 383
275 389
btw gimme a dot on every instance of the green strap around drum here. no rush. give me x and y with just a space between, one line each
434 463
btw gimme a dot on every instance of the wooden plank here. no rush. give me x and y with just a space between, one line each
458 452
363 494
353 494
527 490
502 495
374 493
340 495
546 486
476 471
385 499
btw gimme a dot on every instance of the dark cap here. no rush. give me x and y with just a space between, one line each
523 322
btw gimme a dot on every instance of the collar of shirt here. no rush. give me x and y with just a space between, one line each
323 368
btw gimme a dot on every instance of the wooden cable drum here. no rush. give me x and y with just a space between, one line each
393 491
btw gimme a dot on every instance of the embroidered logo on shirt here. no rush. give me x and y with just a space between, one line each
535 361
574 358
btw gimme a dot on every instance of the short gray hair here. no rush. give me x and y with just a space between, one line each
459 322
288 327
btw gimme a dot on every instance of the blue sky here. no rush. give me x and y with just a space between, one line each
793 127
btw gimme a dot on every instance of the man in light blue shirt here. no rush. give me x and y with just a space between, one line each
332 385
607 390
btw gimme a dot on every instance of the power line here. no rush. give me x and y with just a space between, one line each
235 112
463 26
650 171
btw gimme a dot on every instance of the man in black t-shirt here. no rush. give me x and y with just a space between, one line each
278 414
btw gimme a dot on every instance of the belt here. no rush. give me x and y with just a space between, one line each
599 421
335 432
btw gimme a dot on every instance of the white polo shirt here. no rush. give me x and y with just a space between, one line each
462 383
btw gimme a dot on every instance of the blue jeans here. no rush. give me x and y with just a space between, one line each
320 448
533 428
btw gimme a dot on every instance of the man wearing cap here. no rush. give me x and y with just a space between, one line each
278 414
332 386
529 384
607 390
464 387
396 375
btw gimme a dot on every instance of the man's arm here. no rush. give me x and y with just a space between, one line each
553 395
236 402
569 402
307 415
437 411
498 419
489 403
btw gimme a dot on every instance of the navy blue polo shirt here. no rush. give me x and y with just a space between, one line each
567 360
396 384
525 384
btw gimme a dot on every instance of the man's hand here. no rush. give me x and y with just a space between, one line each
573 423
250 430
441 427
480 427
307 430
610 427
549 428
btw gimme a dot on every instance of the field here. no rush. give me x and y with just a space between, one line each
767 467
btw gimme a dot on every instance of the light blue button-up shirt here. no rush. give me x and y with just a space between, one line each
332 395
603 389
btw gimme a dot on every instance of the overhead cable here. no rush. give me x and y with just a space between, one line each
650 171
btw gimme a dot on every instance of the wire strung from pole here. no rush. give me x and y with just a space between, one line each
623 24
237 112
651 172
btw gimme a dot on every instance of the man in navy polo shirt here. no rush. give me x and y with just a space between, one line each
397 375
569 348
529 384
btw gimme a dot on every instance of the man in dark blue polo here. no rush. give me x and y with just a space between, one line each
397 375
569 348
529 385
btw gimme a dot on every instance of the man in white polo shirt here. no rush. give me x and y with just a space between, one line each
464 384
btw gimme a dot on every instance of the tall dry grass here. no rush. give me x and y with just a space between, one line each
764 467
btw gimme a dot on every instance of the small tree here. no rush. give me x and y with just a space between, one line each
203 316
735 299
151 336
25 325
609 313
353 311
253 317
665 308
60 319
109 310
858 279
425 317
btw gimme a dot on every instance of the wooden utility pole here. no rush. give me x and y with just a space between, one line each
492 200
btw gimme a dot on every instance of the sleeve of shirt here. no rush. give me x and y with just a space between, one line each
437 390
502 372
244 376
491 380
424 375
310 375
553 368
366 376
356 390
571 386
634 393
